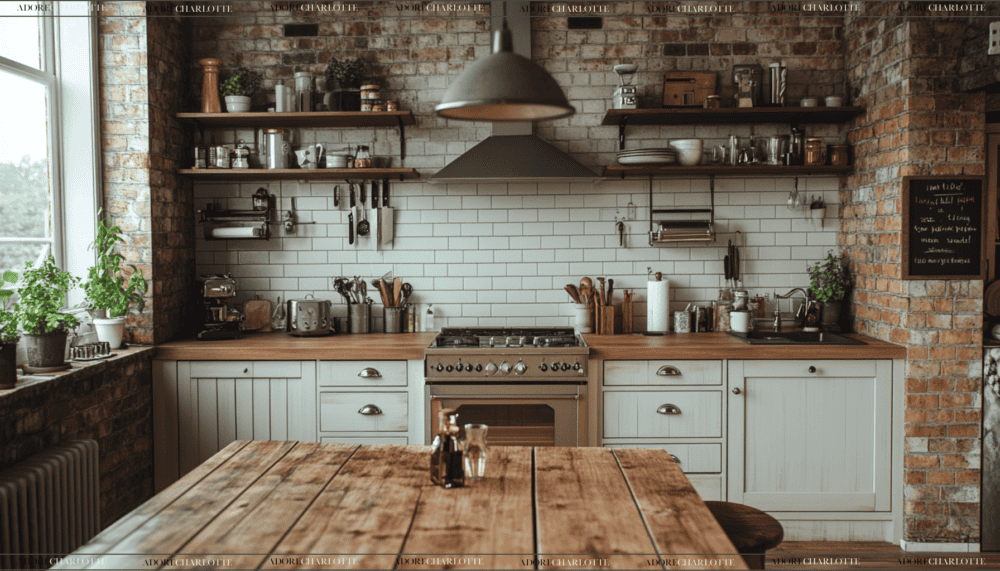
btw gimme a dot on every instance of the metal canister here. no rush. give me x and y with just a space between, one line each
276 148
722 317
682 321
241 156
200 157
222 157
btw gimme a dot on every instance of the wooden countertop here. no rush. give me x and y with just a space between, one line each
279 346
307 505
410 346
722 346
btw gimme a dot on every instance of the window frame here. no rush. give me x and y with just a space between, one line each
69 73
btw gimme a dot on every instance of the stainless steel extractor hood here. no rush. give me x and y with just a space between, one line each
513 153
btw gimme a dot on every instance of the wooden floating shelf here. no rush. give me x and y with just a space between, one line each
297 174
731 115
721 170
312 120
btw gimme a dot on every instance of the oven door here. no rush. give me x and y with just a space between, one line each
518 415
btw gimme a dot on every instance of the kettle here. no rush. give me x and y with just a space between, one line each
307 317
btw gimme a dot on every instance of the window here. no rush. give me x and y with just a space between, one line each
49 122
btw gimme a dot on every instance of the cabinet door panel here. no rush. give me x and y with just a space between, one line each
339 412
708 487
811 443
633 414
362 373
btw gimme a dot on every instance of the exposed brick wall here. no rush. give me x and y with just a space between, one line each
142 71
110 402
905 73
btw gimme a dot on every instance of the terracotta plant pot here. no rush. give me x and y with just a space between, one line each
237 103
46 350
8 365
110 330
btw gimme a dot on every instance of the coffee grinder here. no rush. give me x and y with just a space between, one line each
626 96
221 321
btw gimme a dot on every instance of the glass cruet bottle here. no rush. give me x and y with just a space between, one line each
446 452
278 317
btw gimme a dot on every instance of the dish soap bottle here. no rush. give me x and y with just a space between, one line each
429 318
446 452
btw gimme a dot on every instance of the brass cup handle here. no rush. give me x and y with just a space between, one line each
675 459
668 409
370 410
736 390
247 370
668 371
370 373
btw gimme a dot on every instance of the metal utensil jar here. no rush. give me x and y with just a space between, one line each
276 148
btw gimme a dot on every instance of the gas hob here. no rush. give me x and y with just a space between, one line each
500 355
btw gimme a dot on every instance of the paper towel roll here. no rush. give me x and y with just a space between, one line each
658 306
239 232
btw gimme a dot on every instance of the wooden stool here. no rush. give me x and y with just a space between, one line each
752 531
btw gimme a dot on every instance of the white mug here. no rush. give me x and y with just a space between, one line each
739 321
308 157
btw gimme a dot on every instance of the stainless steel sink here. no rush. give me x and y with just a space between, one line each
795 338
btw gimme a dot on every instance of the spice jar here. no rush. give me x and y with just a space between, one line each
363 158
366 105
371 91
378 105
740 300
392 105
838 155
814 152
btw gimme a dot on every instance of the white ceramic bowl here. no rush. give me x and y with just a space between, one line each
809 102
689 151
834 101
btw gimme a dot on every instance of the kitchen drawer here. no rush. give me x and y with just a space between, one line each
400 440
662 373
362 373
339 412
246 369
708 487
801 368
692 458
683 414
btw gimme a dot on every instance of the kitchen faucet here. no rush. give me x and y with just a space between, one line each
788 295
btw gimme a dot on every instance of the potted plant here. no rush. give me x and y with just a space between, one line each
347 76
829 281
109 291
239 88
41 299
8 333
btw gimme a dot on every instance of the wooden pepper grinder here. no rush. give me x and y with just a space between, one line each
210 85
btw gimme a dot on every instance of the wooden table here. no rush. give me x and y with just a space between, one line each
308 505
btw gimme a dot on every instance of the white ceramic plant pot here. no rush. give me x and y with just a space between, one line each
110 330
237 103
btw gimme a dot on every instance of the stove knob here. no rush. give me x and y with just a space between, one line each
565 366
459 366
468 368
577 366
490 368
439 368
505 368
554 366
479 368
449 368
520 368
543 367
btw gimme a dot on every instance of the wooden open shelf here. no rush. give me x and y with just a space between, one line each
731 115
240 175
721 170
311 120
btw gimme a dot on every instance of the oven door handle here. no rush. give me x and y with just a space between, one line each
481 398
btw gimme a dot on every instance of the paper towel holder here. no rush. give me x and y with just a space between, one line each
259 221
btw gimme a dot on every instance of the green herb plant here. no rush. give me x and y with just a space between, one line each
243 81
42 296
8 310
347 73
107 287
830 278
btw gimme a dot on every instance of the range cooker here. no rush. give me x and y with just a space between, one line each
528 384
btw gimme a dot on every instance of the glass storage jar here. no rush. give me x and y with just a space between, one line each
815 152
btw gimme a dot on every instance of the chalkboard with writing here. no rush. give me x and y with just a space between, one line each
943 227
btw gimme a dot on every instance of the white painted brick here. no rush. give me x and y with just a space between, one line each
459 216
447 229
569 255
476 283
477 257
488 216
477 229
492 296
463 243
284 283
540 256
539 283
538 229
507 283
508 256
489 269
448 257
310 270
494 243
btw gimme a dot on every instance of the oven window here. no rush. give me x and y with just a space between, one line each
512 424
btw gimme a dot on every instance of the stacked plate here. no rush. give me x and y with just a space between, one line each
664 156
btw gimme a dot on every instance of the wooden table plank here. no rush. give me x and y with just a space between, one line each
166 532
682 527
116 532
363 515
254 524
585 512
484 525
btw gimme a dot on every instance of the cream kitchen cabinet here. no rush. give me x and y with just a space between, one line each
201 406
811 436
676 405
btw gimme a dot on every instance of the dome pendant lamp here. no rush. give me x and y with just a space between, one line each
504 86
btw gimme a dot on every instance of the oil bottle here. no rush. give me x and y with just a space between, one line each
446 452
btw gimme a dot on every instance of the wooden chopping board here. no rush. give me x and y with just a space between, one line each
258 312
